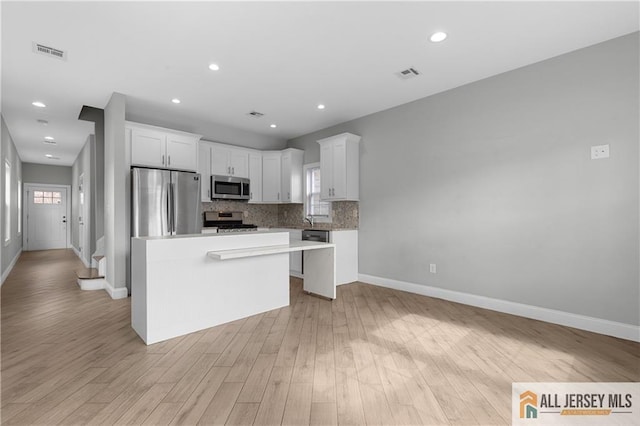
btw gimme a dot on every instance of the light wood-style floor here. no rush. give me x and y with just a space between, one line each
372 356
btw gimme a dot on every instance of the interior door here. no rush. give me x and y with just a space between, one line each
47 218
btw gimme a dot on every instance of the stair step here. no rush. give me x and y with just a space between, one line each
88 274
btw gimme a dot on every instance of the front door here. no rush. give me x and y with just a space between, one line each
46 217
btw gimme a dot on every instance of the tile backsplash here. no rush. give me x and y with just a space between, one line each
257 214
345 214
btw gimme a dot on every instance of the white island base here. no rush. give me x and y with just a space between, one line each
183 284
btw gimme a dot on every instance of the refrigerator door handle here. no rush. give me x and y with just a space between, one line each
172 211
169 208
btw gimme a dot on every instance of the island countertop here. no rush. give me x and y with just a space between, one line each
178 287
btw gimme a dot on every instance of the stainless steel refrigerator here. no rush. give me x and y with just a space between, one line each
165 202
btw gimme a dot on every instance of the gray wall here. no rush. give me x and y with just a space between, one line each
211 131
44 173
493 182
96 115
116 231
8 151
83 166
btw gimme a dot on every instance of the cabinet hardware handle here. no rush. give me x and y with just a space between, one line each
169 160
233 170
163 159
278 196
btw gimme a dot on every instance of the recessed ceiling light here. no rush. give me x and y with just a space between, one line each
320 106
438 37
48 155
38 104
175 100
214 67
49 138
273 126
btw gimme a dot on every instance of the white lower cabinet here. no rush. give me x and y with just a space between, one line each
346 255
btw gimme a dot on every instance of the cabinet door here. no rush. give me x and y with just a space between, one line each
182 152
326 171
339 170
271 177
255 176
286 177
239 163
220 160
148 148
204 168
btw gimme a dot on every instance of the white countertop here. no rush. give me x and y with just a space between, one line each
210 234
261 251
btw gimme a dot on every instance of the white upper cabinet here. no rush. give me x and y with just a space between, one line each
164 148
204 168
271 177
229 161
148 147
282 176
182 152
340 167
255 176
292 175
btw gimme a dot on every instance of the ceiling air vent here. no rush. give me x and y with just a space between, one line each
49 51
408 73
49 142
255 114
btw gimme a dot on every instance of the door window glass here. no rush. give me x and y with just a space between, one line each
46 197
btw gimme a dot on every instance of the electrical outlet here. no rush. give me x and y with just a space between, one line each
599 152
432 268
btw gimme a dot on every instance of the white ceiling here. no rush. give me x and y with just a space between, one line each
281 59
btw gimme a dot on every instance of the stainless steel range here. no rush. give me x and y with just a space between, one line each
227 222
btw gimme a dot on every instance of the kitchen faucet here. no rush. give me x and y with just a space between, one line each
309 219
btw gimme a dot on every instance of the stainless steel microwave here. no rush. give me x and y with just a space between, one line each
229 188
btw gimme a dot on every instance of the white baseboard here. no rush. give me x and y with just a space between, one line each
296 274
6 273
77 252
582 322
95 284
116 293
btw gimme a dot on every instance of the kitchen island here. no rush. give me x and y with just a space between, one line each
181 284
